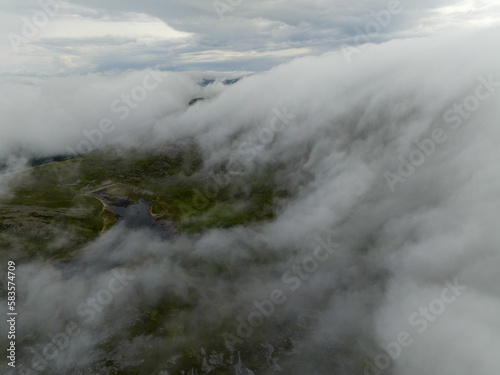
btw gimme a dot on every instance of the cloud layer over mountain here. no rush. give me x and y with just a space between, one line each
391 165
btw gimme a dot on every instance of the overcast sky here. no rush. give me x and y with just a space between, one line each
84 36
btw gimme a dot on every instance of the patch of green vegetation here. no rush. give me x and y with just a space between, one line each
57 208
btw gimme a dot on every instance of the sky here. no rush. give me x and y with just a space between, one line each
54 37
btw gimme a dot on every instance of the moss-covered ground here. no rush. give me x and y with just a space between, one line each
55 209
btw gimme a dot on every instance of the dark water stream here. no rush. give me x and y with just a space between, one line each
137 215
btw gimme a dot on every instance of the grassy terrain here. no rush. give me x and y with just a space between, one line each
54 209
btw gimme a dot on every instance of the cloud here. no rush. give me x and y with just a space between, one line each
187 35
349 124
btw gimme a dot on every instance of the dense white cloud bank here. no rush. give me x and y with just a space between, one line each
393 156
